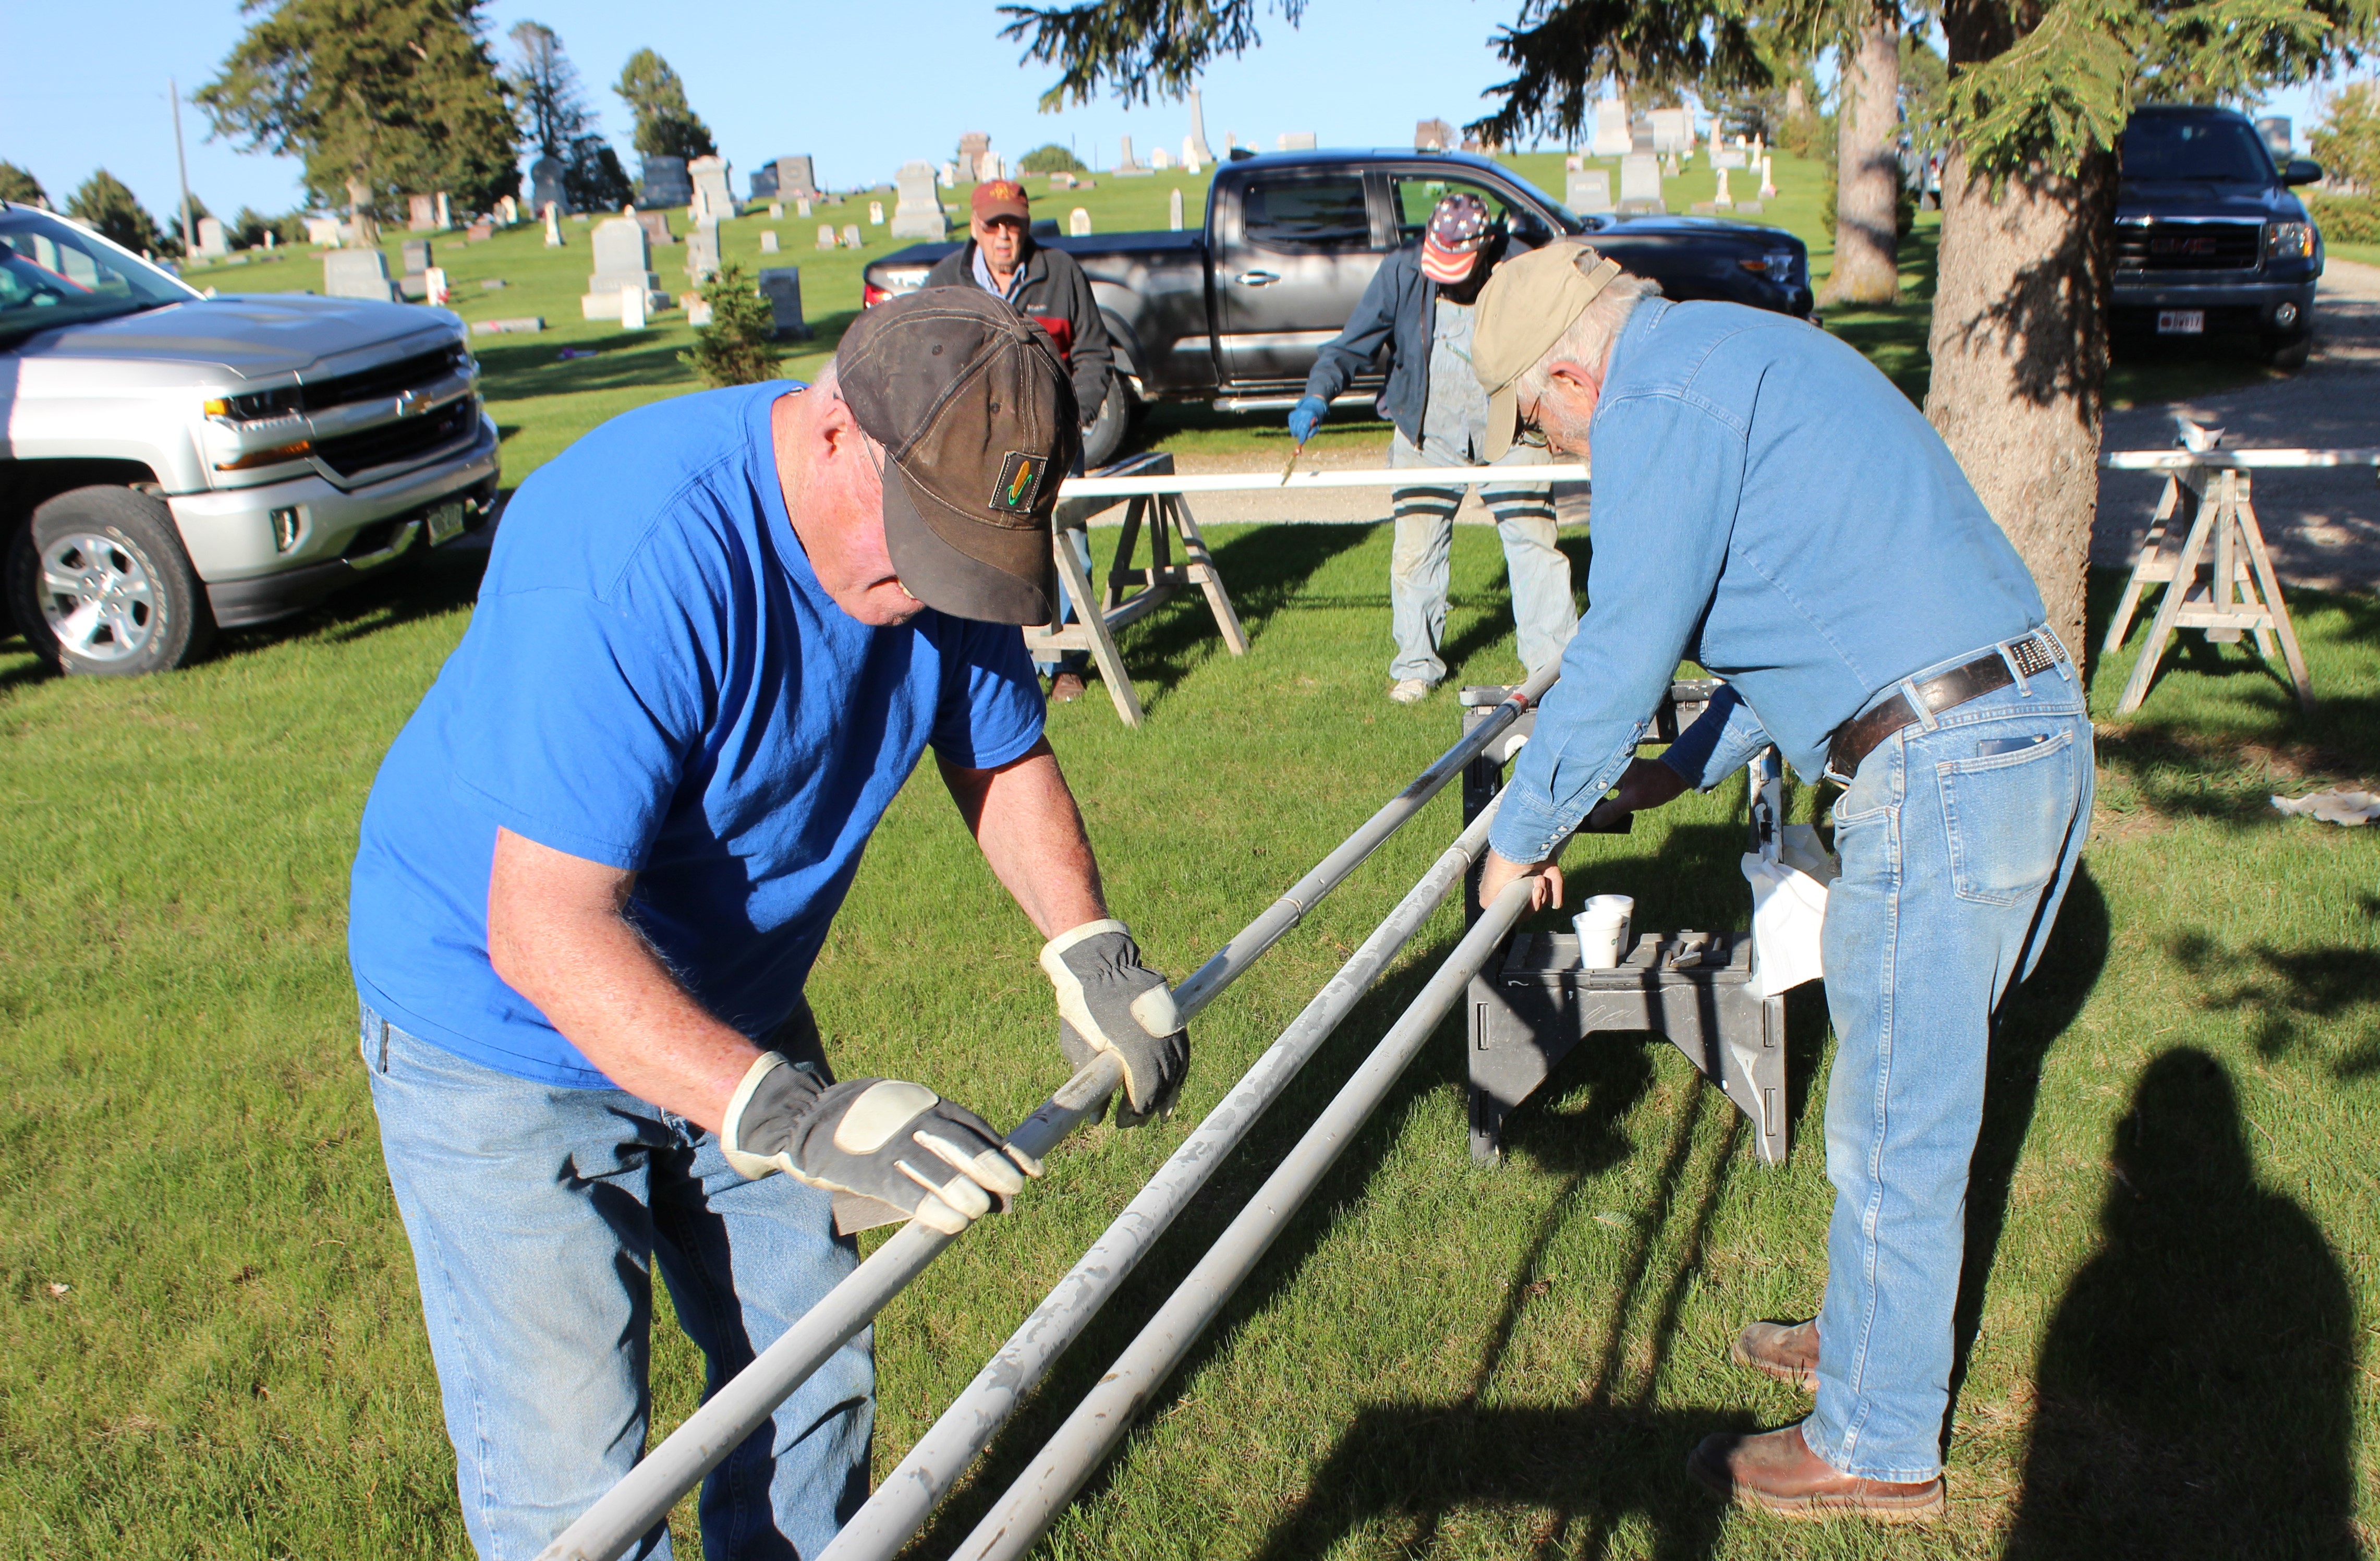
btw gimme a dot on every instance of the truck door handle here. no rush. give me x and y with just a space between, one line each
1257 278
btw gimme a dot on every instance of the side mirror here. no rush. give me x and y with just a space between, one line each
2300 170
1527 230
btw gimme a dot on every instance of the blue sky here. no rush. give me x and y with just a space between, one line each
863 88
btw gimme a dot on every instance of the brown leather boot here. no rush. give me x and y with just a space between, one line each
1776 1472
1788 1351
1066 688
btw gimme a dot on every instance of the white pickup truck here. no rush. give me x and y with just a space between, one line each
171 463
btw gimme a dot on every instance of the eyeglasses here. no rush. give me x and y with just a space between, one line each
1528 432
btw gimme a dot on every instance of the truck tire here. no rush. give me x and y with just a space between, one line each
102 587
1105 436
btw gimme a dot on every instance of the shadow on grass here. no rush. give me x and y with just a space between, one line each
2195 1388
423 587
2276 990
1265 570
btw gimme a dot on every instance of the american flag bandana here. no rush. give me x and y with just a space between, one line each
1457 231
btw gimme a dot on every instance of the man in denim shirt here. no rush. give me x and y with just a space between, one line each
1767 503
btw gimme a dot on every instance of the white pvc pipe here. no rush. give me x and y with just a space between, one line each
1026 1510
1270 483
2178 460
907 1497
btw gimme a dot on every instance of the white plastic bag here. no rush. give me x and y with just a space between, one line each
1788 910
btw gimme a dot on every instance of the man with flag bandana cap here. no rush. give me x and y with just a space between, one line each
1420 302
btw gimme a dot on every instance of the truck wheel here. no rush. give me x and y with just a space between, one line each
102 587
1105 437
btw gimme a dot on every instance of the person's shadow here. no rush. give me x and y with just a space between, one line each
2194 1387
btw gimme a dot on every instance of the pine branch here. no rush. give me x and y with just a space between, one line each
1133 46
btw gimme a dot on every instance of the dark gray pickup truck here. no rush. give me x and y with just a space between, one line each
1235 312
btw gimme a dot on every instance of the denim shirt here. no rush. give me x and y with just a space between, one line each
1767 505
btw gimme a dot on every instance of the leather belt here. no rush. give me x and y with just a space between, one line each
1857 737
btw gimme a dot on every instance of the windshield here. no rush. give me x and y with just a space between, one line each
54 273
1571 221
2171 146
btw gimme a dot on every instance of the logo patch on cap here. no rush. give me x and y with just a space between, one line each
1020 482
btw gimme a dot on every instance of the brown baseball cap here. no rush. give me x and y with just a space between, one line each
1527 304
976 417
1001 198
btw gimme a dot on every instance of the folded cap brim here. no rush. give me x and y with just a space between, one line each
1000 576
1444 266
1503 421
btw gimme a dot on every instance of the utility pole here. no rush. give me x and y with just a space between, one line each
182 166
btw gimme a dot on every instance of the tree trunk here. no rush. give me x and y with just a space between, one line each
1867 164
2019 351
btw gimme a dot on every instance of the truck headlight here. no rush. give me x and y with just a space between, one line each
2288 240
1778 265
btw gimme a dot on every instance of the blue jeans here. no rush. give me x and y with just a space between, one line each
535 1214
1958 839
1545 614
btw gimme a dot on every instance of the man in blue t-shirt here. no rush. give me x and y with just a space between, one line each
715 637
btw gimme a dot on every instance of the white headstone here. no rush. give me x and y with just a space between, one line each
918 213
1640 181
211 237
1078 224
269 237
851 239
422 214
632 307
1672 130
776 211
1194 145
1573 162
1611 135
1176 205
1768 180
357 274
433 287
1723 200
1125 160
947 174
445 213
624 260
876 214
826 236
1159 158
1587 191
507 210
322 231
553 226
711 200
697 309
1294 140
782 285
702 253
767 240
802 207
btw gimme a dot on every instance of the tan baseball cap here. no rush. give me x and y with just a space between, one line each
979 421
1527 304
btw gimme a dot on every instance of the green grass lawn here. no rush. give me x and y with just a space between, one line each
210 1343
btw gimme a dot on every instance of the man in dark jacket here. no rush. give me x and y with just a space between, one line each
1001 258
1420 302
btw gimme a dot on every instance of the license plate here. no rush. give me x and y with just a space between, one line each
445 524
2181 322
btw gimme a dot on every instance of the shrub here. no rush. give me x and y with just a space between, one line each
2345 219
739 344
1051 159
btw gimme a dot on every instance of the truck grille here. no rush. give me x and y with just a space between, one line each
387 380
2192 246
406 439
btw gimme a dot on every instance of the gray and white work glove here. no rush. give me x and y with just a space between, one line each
877 1138
1109 1001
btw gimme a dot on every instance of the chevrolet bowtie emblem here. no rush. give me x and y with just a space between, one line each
411 402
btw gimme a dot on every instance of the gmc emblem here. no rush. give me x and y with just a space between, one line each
2179 246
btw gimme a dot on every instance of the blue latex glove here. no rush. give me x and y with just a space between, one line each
1305 415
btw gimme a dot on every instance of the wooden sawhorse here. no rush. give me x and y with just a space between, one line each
1167 518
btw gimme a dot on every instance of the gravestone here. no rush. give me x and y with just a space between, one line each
553 226
795 180
802 207
1433 135
623 258
776 211
826 236
1062 181
415 253
1194 145
210 238
1611 135
782 285
1640 183
667 183
947 175
2278 135
1748 208
507 210
445 213
322 231
1669 165
1573 162
1728 157
520 324
1294 140
1159 159
656 226
764 182
702 253
1078 224
633 299
421 214
1125 163
991 165
1589 191
483 228
851 239
545 185
1175 209
697 307
918 213
1723 199
491 284
1673 131
767 240
711 200
1767 181
269 237
433 287
357 274
876 214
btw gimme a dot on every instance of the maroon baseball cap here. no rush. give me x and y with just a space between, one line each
1001 198
980 425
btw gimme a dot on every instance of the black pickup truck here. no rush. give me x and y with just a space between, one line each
1235 312
2209 241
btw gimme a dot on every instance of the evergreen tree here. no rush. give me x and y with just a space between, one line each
20 185
593 177
103 203
2038 92
545 84
379 98
739 344
666 125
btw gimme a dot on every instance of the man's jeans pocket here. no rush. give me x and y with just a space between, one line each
2007 815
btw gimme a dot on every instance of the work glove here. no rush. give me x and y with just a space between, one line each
1305 415
876 1138
1109 1001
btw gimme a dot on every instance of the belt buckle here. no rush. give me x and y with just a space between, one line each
2032 657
